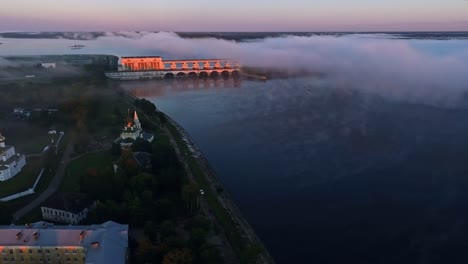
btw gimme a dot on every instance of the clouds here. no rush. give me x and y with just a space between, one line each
432 71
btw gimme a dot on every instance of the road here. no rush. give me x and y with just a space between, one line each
54 184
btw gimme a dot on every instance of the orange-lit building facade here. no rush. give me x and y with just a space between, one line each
154 67
142 63
156 63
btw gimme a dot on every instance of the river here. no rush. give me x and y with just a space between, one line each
318 170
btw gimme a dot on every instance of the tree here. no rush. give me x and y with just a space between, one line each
116 149
167 228
209 255
178 256
190 195
250 253
142 146
145 105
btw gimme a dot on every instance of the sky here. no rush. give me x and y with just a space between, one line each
239 15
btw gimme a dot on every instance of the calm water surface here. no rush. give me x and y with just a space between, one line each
331 175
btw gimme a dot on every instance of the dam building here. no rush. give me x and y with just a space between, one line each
154 67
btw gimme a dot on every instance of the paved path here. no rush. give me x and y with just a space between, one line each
53 186
226 250
225 200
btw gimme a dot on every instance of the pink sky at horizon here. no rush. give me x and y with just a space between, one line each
242 15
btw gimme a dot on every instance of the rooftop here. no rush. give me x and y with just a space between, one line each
15 157
70 202
104 243
140 57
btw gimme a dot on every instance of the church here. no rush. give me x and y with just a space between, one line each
133 131
11 162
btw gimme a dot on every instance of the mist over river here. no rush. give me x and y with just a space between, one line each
366 164
329 175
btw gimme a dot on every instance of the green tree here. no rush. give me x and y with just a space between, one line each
178 256
190 195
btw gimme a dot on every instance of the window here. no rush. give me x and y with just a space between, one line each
66 251
39 251
30 251
68 259
3 251
11 251
20 251
5 259
12 259
75 259
47 251
74 251
22 259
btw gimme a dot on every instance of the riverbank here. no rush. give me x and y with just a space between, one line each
240 235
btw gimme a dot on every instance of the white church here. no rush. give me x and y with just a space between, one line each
11 162
133 131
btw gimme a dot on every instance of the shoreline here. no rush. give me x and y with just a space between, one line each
229 206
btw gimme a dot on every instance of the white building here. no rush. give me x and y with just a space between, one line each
42 242
70 208
133 131
48 65
11 162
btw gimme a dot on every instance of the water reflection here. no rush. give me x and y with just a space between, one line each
160 88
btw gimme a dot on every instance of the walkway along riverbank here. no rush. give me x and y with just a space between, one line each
196 159
240 235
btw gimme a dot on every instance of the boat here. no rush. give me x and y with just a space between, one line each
77 46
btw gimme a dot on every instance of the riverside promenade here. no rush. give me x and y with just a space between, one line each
225 199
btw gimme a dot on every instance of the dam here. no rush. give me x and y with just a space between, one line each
154 67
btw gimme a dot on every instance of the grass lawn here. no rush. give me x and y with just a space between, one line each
27 138
9 208
24 180
71 181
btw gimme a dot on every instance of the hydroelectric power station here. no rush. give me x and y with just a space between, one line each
154 67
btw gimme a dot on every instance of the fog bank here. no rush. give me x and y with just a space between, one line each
430 71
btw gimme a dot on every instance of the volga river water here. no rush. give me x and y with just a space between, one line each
329 173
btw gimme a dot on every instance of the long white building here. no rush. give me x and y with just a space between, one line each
70 208
11 162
